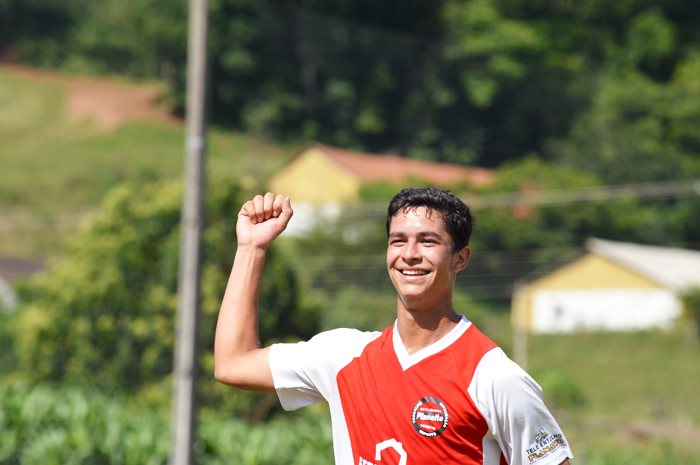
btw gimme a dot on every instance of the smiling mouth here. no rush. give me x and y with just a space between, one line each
413 272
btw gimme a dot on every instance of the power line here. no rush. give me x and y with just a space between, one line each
544 197
31 218
640 191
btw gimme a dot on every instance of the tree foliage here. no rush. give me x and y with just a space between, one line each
105 313
569 223
606 86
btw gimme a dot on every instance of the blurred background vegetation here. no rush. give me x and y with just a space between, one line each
551 95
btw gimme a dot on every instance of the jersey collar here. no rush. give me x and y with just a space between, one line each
407 361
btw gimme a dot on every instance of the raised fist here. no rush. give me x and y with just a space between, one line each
262 219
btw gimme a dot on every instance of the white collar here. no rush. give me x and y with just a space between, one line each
407 361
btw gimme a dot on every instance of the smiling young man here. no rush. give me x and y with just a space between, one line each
430 389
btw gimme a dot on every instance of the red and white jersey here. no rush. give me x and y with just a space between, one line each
458 401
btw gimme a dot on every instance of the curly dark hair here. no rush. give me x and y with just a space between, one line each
455 214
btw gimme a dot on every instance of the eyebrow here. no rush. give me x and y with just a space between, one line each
420 234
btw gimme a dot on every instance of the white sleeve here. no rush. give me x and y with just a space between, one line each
304 373
511 401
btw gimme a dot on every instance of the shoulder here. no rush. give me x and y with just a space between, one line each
487 361
334 347
512 405
344 337
469 347
505 394
470 341
341 343
305 372
502 376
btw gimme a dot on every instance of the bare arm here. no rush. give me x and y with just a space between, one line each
239 359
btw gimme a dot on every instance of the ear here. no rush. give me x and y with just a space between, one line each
461 259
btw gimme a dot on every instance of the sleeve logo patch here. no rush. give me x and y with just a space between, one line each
543 445
430 417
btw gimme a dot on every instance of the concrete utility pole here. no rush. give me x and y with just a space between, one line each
184 419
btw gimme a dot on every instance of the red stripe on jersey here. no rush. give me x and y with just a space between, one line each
382 402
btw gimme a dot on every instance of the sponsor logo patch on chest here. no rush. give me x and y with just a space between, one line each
430 417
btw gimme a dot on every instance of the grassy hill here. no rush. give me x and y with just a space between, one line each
57 165
638 393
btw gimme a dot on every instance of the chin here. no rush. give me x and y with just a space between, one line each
414 300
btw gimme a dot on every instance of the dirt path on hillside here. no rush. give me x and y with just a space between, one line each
108 102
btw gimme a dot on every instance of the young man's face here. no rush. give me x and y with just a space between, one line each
419 259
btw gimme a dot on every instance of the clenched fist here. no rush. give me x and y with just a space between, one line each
262 219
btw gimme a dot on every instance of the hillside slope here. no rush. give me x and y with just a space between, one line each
67 140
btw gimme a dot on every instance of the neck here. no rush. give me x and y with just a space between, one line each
420 329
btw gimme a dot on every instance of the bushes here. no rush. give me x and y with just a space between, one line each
69 426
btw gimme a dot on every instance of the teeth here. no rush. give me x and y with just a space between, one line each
414 272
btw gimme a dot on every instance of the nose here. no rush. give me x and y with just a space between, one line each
411 252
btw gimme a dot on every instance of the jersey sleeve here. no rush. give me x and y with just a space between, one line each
511 401
304 373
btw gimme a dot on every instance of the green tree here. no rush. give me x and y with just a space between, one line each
104 314
144 39
636 130
643 117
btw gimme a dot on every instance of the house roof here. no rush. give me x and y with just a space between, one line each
676 269
370 167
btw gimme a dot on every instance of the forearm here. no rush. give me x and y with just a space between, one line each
239 359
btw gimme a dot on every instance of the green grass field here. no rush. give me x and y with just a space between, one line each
53 164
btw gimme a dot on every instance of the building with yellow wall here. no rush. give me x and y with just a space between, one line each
321 179
321 174
616 286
